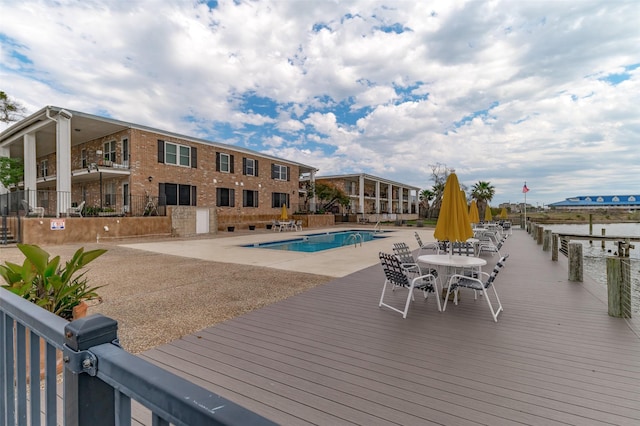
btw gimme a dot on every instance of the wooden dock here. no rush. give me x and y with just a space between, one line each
331 356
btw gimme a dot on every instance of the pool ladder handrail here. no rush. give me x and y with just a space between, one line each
376 227
354 238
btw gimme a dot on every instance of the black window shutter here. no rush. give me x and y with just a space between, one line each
160 151
273 171
161 195
244 166
244 198
218 197
194 158
194 195
231 164
255 168
288 173
217 161
255 199
232 198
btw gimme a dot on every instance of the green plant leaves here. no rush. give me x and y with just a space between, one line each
47 284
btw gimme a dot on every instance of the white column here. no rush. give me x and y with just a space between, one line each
361 194
417 202
63 161
377 197
401 199
390 198
312 203
30 168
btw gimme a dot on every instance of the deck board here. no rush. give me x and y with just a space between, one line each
331 356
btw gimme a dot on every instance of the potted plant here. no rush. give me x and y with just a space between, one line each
59 289
252 227
56 288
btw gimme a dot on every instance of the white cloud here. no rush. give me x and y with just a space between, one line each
503 91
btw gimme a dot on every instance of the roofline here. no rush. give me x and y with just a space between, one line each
22 124
370 177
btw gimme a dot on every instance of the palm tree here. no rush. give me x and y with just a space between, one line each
425 200
483 193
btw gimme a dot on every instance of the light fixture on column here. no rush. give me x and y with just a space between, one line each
150 178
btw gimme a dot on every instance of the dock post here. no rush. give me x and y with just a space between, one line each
554 247
546 240
539 233
575 262
603 231
618 288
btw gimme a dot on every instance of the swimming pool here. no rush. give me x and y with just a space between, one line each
323 241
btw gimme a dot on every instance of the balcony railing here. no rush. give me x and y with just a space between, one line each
100 379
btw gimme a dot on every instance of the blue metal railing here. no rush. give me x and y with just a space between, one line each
100 379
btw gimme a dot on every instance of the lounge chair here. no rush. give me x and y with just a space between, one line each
32 211
76 211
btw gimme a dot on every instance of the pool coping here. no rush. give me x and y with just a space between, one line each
337 262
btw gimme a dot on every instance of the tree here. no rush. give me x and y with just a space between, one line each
439 174
425 197
330 195
10 110
11 169
483 193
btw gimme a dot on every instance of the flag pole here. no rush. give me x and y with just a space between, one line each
525 205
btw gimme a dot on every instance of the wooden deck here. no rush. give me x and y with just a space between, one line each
330 356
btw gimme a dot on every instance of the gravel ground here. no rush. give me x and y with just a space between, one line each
158 298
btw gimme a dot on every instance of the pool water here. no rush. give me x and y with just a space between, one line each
318 242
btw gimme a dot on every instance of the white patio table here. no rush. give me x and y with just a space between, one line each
452 262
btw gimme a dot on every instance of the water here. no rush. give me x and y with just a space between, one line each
595 264
317 242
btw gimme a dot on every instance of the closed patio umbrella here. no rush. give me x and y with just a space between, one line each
487 214
474 215
453 221
284 215
503 213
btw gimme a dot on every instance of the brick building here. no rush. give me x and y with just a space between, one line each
376 197
72 157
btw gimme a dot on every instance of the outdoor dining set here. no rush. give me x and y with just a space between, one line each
452 262
441 270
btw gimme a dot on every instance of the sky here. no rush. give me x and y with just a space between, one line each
506 92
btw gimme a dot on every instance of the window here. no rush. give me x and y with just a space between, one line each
225 197
249 198
178 195
224 162
278 199
125 152
170 154
249 167
110 194
44 168
83 158
180 155
279 172
110 151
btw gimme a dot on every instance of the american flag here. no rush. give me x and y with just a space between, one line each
524 188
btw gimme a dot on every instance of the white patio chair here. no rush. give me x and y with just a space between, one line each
76 211
490 247
30 211
298 225
430 246
396 276
402 252
458 281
